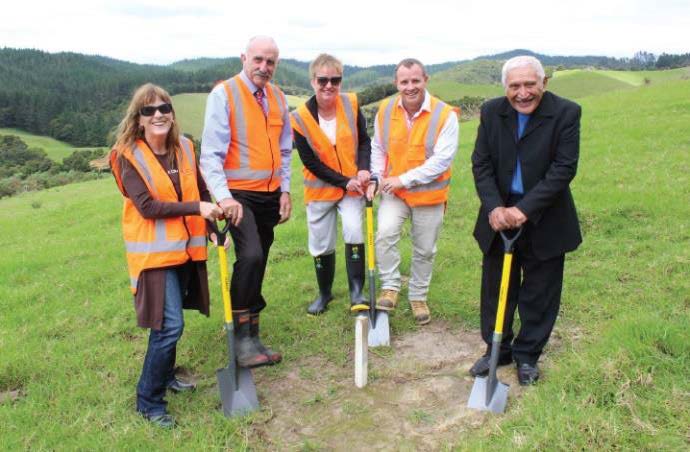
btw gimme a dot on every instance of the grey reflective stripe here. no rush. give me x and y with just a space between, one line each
317 183
186 146
139 157
247 173
279 99
241 137
431 186
306 133
430 138
160 230
197 240
133 283
350 114
241 129
387 113
159 246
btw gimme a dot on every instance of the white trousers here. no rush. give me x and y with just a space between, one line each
323 227
426 224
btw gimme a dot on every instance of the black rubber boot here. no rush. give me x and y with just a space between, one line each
246 351
273 356
354 262
325 271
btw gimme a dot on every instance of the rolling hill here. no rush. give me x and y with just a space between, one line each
614 374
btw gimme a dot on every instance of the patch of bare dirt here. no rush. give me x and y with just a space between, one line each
416 397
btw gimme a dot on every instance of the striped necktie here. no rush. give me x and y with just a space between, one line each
259 95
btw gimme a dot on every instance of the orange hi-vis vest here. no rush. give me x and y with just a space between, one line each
341 157
253 158
410 148
161 242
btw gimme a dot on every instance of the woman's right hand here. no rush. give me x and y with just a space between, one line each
355 185
210 211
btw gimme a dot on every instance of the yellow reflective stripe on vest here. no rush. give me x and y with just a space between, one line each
431 186
350 114
430 139
141 161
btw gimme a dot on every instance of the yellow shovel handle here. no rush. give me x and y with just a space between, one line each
371 260
503 293
225 283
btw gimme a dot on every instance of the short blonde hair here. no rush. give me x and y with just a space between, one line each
325 60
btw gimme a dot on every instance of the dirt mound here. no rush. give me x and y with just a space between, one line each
416 397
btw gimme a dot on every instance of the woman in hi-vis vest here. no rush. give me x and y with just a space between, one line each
165 204
330 134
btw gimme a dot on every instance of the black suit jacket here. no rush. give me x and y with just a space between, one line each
549 151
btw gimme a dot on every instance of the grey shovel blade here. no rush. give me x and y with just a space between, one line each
494 402
238 397
379 335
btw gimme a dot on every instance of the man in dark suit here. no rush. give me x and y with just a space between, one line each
524 159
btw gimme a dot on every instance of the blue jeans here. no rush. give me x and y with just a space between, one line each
159 363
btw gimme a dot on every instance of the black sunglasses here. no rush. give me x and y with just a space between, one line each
150 110
323 81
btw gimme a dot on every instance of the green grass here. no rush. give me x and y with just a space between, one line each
56 150
576 84
190 108
637 78
619 380
449 90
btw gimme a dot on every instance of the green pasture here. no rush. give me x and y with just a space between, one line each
56 150
190 108
450 90
71 352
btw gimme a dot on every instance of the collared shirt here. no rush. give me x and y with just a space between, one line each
444 149
215 141
516 184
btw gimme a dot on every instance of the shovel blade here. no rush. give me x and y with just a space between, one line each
379 333
238 397
496 399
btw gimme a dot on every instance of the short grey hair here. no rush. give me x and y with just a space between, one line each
522 61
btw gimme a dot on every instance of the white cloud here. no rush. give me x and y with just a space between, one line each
360 32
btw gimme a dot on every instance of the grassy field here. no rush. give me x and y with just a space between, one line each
56 150
71 353
450 90
190 109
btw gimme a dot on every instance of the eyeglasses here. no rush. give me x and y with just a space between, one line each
323 81
150 110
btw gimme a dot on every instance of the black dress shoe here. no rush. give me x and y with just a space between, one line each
181 386
528 374
482 365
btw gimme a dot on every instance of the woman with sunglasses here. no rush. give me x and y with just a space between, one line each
165 204
330 134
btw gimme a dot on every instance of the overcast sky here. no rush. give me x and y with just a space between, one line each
359 32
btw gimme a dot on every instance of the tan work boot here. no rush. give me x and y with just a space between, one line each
421 313
387 300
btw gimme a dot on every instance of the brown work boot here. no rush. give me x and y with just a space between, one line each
387 300
421 313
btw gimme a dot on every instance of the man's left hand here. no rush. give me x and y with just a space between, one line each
515 217
390 184
285 207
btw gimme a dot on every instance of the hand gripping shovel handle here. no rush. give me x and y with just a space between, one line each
371 259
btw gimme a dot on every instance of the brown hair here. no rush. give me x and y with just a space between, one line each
408 63
129 130
325 60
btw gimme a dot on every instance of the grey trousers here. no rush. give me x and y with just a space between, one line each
426 224
323 227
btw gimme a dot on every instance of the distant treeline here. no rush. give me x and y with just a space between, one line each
79 98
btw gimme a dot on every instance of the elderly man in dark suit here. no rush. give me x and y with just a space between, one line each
524 159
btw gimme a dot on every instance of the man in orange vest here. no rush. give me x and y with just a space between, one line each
415 140
245 159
